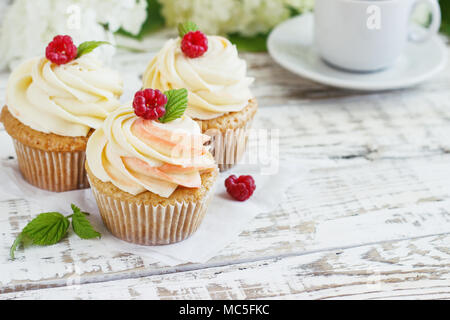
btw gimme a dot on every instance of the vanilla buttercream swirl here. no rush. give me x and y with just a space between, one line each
67 100
138 155
217 82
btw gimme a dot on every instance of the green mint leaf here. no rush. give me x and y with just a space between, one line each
81 225
89 46
15 245
186 27
177 101
46 229
50 227
75 209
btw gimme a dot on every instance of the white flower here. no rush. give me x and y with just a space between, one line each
247 17
211 16
421 14
3 6
126 14
28 26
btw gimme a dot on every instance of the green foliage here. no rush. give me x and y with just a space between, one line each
256 43
445 8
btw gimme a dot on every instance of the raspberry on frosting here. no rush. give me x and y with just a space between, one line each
61 50
194 44
241 188
150 104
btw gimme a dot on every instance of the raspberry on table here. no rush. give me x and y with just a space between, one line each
241 188
194 44
61 50
150 104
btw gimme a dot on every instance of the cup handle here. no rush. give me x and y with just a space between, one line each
424 35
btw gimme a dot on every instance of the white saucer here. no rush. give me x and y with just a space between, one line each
291 45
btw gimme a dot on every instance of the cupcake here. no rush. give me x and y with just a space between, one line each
53 104
149 170
216 79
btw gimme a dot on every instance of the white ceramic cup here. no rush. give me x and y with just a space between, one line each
368 35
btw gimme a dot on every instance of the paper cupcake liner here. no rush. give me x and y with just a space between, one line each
53 171
228 147
151 225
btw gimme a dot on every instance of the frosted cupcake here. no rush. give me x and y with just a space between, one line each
151 175
216 78
53 103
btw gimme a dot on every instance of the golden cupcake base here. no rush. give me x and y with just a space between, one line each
47 161
52 171
229 135
148 219
228 147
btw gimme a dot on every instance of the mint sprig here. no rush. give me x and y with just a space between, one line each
89 46
50 227
186 27
81 225
177 101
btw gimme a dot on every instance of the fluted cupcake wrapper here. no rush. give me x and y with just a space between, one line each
52 171
151 225
228 147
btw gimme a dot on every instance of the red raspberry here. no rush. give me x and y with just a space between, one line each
150 104
240 188
194 44
61 50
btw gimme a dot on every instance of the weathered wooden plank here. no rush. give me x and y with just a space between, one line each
363 188
409 269
341 215
389 152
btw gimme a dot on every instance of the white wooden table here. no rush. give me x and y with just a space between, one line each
371 222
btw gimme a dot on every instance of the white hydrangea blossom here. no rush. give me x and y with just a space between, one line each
3 5
421 14
28 26
126 14
211 15
247 17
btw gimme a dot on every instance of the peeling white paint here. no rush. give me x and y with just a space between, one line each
380 172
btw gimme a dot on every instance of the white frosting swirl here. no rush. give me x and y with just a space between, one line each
138 155
217 81
67 100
